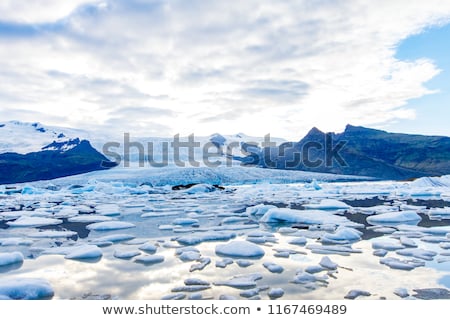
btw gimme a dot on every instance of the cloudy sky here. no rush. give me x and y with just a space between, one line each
160 67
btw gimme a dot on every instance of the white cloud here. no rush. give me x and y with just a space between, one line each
195 66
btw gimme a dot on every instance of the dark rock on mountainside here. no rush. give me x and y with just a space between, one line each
54 161
360 151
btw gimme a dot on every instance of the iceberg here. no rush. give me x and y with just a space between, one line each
26 289
10 258
240 249
109 225
408 217
84 252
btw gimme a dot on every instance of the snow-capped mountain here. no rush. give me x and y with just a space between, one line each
24 137
30 151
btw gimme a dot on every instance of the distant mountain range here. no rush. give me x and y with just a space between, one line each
360 151
30 152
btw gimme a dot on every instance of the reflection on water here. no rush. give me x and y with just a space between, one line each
125 279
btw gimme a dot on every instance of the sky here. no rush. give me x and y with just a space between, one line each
162 67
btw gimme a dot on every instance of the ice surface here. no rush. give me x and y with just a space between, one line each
273 267
407 242
314 269
224 262
88 218
126 254
342 235
395 263
191 288
240 249
189 256
110 225
308 217
10 258
401 292
328 264
184 221
148 247
26 289
196 282
52 234
305 277
395 217
203 262
24 222
275 293
243 263
353 294
241 281
299 241
387 244
118 237
85 252
417 253
149 259
205 236
330 249
327 204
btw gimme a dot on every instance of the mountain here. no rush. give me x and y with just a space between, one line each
360 151
29 152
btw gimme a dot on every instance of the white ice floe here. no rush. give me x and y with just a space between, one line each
401 292
108 209
191 288
314 269
24 222
10 258
241 281
25 289
387 244
259 210
84 252
110 225
332 249
184 221
407 242
240 249
327 204
199 237
89 218
114 238
174 296
189 256
380 252
224 262
304 277
249 293
52 234
149 259
328 264
417 253
202 263
439 213
148 248
126 254
5 242
275 293
409 217
353 294
273 267
395 263
342 235
196 282
308 217
299 241
243 263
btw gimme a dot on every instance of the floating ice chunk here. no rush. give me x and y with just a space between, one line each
176 296
52 234
206 236
386 230
233 220
417 253
10 258
410 217
314 269
275 293
445 245
241 281
182 250
24 222
84 252
395 263
401 292
259 233
328 264
342 235
15 242
387 244
184 221
126 254
377 209
259 210
249 293
439 213
114 238
89 218
191 288
227 297
443 259
380 252
149 259
26 289
196 282
334 249
299 241
165 227
203 262
240 249
328 204
432 293
407 242
148 248
305 277
307 217
273 267
224 262
107 209
353 294
434 239
189 256
110 225
243 263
